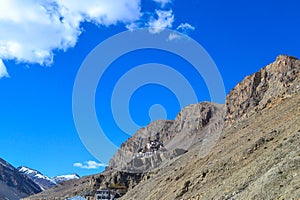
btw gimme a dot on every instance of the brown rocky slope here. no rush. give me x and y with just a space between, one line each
257 155
256 158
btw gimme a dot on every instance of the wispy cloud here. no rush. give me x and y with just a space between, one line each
185 27
89 165
164 19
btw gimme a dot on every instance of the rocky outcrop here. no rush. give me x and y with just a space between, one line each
189 127
130 148
264 88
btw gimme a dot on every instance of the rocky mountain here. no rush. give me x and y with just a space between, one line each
256 158
248 148
14 185
258 154
37 177
44 181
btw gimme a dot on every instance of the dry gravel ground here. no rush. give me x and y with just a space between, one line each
255 158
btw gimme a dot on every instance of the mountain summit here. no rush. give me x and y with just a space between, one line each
37 177
63 178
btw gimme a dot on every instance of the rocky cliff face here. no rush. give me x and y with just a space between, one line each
277 80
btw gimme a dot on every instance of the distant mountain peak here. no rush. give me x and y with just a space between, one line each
62 178
44 181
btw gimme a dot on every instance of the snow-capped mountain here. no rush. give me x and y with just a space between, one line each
14 185
62 178
44 181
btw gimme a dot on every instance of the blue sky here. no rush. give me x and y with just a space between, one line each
41 51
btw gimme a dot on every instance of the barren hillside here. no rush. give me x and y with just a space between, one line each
255 155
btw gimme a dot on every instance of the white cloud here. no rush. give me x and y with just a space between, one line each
184 27
3 72
164 20
31 30
163 2
89 165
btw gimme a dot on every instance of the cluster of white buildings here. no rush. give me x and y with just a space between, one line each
151 147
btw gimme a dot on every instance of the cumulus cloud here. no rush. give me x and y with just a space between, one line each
31 30
89 165
163 19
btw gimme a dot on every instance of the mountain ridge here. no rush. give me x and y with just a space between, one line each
256 156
